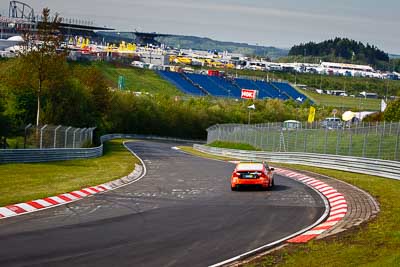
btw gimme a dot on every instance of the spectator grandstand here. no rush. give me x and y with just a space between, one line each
200 85
181 83
293 93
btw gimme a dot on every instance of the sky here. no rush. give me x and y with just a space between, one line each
282 23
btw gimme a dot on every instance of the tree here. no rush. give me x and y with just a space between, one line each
40 54
5 126
392 112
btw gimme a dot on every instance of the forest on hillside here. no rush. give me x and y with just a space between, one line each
343 49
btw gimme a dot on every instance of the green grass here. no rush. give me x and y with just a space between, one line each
24 182
374 244
195 152
232 145
344 102
138 80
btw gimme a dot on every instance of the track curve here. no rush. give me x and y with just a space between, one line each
182 213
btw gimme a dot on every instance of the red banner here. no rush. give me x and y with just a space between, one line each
248 94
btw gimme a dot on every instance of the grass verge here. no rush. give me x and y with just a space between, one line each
138 80
374 244
344 101
29 181
231 145
195 152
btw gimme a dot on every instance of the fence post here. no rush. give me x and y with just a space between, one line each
326 140
380 143
255 135
66 136
268 133
338 140
55 135
396 154
305 140
350 142
91 134
26 129
315 135
384 128
273 142
80 136
73 139
364 144
41 136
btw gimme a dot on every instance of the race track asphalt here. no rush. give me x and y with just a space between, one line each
181 213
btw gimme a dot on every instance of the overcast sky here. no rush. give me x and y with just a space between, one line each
280 23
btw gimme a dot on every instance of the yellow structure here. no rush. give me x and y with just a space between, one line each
311 115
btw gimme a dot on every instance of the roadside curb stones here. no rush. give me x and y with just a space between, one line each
361 206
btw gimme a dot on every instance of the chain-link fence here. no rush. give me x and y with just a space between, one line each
51 136
379 140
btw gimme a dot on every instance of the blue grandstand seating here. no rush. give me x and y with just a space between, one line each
293 93
272 91
200 85
182 84
249 84
233 91
210 86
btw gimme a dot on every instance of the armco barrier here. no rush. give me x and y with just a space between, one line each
57 154
45 155
384 168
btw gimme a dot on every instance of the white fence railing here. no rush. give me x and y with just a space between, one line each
376 167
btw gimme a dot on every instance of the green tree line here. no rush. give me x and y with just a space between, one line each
341 48
78 95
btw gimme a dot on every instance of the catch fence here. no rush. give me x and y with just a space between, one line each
51 136
368 140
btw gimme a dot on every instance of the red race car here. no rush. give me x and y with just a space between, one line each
252 174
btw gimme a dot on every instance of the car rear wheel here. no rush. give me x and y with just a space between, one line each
234 188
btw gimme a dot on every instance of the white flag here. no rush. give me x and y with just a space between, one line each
383 105
252 107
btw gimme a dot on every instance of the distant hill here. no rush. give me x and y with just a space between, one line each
392 56
342 49
201 43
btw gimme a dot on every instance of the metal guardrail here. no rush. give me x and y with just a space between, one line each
57 154
46 155
376 167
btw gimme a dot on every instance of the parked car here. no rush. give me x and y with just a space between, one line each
291 125
252 174
332 123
